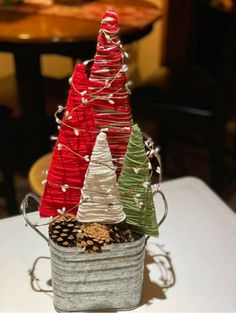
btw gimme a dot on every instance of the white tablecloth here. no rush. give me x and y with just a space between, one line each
195 256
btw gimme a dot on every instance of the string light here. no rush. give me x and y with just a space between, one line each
77 131
53 138
64 187
135 169
102 93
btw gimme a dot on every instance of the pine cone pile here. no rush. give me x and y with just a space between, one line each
66 231
63 230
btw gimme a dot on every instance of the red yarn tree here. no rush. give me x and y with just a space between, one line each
109 89
71 153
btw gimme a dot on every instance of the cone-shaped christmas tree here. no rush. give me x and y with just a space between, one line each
135 189
75 142
109 89
100 201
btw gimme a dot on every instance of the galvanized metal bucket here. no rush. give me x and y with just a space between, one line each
111 280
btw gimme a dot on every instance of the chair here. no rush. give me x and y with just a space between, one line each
198 93
6 161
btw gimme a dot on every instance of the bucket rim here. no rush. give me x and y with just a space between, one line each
114 247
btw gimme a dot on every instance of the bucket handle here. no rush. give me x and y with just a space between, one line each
156 153
24 207
157 191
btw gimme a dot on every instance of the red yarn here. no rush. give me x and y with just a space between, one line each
66 167
107 62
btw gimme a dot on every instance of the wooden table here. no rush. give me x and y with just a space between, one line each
189 268
30 35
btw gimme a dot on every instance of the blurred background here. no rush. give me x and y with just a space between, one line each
183 97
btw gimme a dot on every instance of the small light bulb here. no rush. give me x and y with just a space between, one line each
76 131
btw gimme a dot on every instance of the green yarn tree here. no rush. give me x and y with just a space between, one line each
135 187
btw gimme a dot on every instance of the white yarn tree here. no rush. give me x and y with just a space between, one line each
100 201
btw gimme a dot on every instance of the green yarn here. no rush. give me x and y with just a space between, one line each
135 187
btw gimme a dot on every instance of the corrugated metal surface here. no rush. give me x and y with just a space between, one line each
109 280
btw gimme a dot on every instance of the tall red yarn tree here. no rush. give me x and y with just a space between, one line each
71 153
109 89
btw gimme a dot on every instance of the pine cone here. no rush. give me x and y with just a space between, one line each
120 234
63 230
93 237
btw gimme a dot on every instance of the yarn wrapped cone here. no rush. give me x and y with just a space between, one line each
100 201
77 134
109 90
135 187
